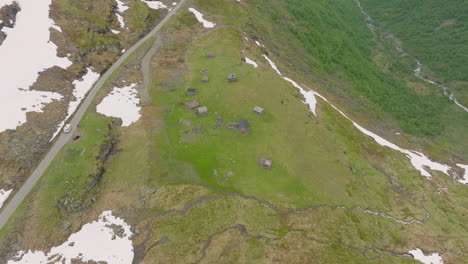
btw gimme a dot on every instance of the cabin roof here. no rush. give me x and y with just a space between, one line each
243 124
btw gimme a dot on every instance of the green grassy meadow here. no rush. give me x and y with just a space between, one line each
176 178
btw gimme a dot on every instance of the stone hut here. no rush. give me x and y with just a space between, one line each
258 110
265 163
232 77
243 127
202 110
210 55
192 105
205 79
191 92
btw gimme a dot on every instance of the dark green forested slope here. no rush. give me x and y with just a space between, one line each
336 41
434 31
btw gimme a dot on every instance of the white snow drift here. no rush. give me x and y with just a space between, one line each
121 8
96 241
308 95
27 42
155 4
82 87
465 176
251 62
121 103
433 258
4 196
418 160
59 29
199 16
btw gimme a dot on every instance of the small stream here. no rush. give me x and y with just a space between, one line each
417 71
368 18
418 160
447 91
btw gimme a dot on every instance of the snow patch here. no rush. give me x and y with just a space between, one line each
27 42
199 16
82 87
121 103
309 95
115 31
465 176
259 44
4 196
155 4
121 8
418 160
6 2
59 29
433 258
96 241
251 62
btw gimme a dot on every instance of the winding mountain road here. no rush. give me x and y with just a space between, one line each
75 120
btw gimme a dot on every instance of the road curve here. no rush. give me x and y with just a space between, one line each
65 137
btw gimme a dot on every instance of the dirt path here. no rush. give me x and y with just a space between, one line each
143 89
65 137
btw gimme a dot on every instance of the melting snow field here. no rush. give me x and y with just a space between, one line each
433 258
59 29
27 41
251 62
121 8
155 4
82 87
259 44
121 103
199 16
465 176
418 160
309 96
107 240
4 196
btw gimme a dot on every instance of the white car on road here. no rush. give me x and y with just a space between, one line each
67 128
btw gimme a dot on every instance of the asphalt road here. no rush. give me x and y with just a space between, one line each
66 137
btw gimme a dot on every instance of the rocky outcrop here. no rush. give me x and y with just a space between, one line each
8 15
8 18
82 198
2 37
22 148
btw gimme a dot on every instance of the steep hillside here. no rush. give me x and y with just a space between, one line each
432 31
360 172
340 53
